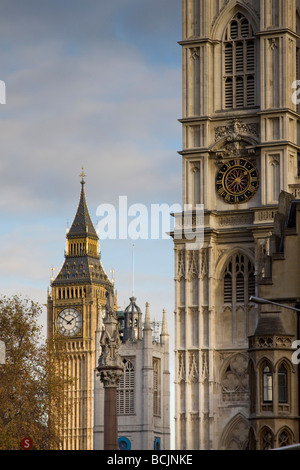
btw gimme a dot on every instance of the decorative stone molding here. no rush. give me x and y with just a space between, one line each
234 129
110 377
181 366
235 220
193 367
194 53
270 342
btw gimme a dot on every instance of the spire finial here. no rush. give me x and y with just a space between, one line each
147 325
164 330
82 175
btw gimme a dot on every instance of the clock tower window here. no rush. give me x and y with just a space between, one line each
239 280
239 64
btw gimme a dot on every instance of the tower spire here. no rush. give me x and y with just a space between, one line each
82 224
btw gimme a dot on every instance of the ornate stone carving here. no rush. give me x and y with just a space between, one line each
194 53
110 377
181 265
236 139
205 366
193 264
110 367
181 366
235 379
271 342
193 367
235 129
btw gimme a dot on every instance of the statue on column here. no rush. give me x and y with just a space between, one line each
110 365
110 370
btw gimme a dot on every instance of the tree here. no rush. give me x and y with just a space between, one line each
32 392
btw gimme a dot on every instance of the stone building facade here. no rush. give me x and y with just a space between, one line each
143 394
240 151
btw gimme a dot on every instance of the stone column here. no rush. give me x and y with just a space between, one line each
110 370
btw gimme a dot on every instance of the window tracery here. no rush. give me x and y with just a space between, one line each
125 391
239 63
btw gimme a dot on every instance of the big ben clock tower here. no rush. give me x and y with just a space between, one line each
74 308
240 59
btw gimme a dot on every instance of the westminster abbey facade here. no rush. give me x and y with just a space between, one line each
236 384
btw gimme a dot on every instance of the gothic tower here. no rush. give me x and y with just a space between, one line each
77 297
240 150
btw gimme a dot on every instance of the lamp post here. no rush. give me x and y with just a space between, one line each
258 300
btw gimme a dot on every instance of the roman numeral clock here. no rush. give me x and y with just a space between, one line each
237 181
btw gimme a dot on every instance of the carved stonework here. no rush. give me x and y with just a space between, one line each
236 139
110 367
235 220
204 263
235 129
235 379
194 53
271 342
181 366
205 366
110 377
181 265
193 367
193 264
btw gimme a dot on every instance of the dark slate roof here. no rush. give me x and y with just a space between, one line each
81 270
269 325
82 224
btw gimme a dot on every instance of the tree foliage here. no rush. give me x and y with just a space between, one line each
32 393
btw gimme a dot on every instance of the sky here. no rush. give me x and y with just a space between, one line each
94 84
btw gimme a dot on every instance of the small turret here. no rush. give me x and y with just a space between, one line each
132 322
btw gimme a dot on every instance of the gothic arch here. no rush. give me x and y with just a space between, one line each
285 437
235 435
266 438
284 360
234 377
223 260
233 7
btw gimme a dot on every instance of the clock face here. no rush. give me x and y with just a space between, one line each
237 181
69 322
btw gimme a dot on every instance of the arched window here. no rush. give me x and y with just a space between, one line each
282 384
267 439
267 384
285 438
125 391
239 64
239 280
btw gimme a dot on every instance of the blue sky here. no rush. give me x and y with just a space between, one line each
94 83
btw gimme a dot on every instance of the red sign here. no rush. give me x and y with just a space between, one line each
26 443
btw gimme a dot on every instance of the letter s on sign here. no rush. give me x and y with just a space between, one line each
26 443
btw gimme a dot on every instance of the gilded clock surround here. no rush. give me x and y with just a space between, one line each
237 181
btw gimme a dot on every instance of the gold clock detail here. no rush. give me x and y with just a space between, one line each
69 322
237 181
